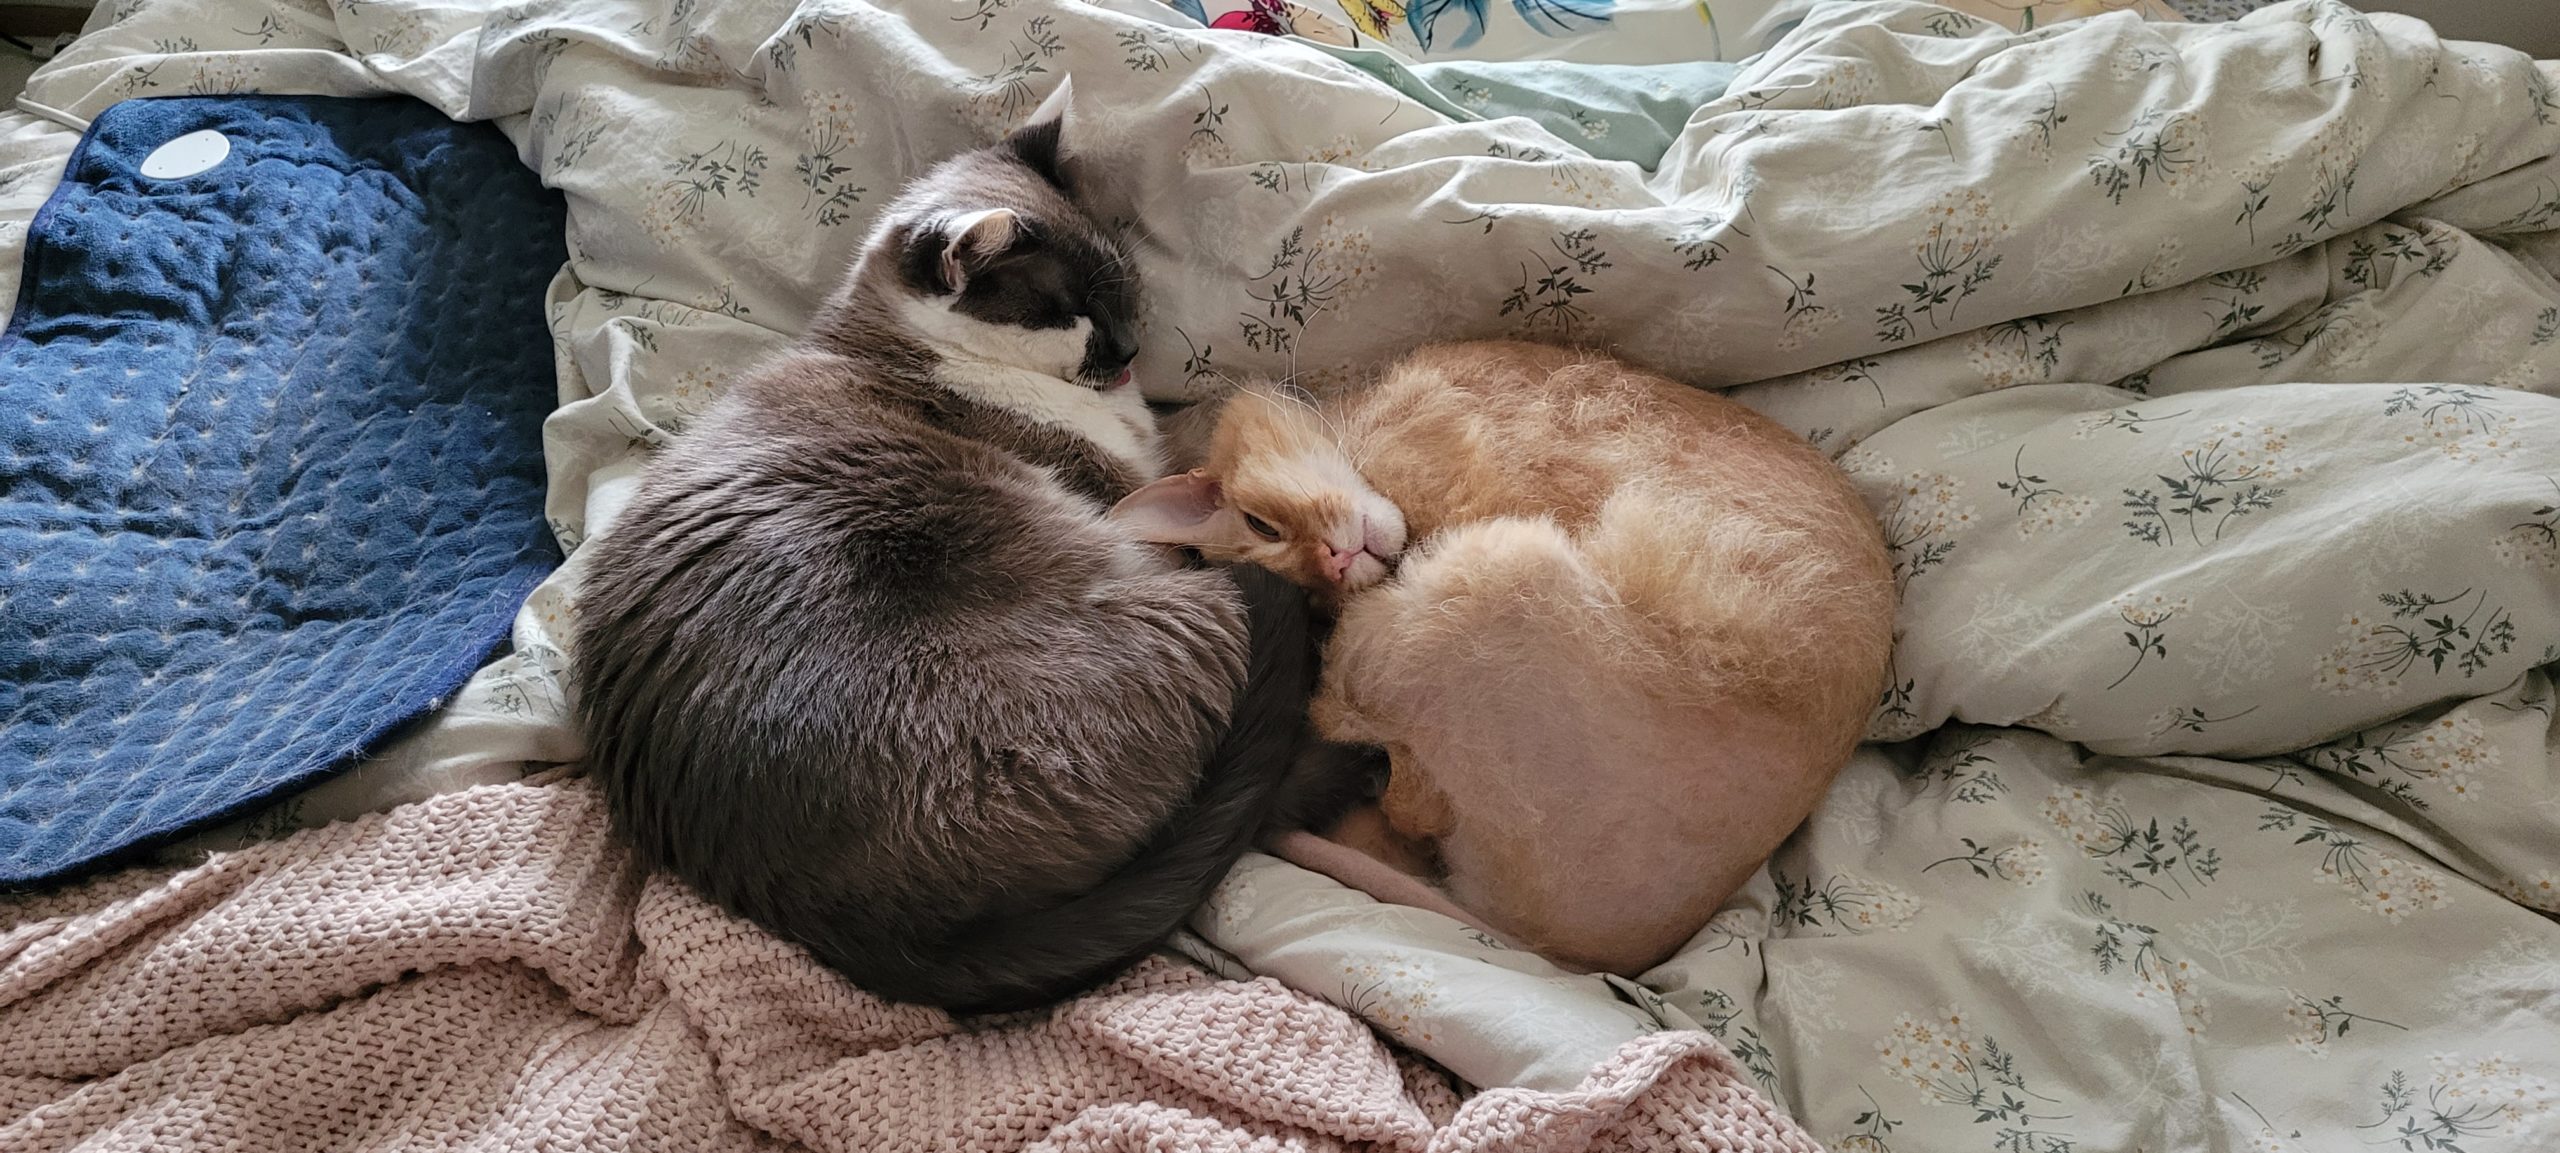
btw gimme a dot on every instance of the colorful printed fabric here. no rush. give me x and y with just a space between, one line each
1659 31
1646 31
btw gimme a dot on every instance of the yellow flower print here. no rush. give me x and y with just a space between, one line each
2539 891
1377 19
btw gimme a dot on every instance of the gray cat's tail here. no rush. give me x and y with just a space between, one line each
1026 960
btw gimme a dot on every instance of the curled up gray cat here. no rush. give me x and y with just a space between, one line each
864 661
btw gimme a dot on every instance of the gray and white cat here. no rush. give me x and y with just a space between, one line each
864 661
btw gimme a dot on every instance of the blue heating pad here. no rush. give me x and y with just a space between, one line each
270 457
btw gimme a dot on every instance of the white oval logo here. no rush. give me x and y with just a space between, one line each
187 155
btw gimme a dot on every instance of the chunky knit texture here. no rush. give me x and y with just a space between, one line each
486 970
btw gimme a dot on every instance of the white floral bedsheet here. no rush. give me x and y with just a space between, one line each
2202 375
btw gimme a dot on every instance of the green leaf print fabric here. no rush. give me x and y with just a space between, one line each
2237 572
2206 377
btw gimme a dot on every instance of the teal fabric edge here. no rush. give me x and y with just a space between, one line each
1622 112
1391 70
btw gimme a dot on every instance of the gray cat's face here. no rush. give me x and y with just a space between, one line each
996 262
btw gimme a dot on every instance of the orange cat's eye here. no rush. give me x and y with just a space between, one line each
1261 527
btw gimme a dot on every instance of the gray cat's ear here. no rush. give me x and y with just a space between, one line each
1184 509
970 238
1041 142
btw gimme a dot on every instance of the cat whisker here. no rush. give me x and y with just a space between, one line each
1305 397
1120 262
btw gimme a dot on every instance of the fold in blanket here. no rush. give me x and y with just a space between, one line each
485 970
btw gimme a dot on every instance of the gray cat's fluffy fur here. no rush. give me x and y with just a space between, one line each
864 662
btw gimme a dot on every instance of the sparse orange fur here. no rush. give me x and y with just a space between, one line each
1640 630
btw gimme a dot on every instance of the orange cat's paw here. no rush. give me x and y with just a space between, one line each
1413 807
1368 830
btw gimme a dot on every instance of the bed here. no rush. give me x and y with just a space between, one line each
2202 375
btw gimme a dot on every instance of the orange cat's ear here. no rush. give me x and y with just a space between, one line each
1185 509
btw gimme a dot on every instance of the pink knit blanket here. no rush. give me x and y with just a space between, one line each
486 970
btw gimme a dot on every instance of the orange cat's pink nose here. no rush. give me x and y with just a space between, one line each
1337 562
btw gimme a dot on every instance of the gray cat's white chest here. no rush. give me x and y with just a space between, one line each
1115 420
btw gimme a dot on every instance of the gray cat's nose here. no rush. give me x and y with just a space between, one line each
1109 353
1115 337
1119 346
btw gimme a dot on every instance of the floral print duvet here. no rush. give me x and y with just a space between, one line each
2201 375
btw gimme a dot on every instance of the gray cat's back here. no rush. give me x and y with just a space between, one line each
863 662
947 605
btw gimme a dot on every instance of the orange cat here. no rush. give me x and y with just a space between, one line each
1639 630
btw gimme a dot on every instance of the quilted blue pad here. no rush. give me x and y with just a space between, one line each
270 459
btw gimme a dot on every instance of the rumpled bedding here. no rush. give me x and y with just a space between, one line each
2201 376
486 970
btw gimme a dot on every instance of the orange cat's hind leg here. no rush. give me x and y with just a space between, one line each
1493 665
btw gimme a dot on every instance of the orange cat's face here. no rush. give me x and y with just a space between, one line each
1278 492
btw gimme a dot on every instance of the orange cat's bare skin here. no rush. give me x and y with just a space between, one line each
1639 629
